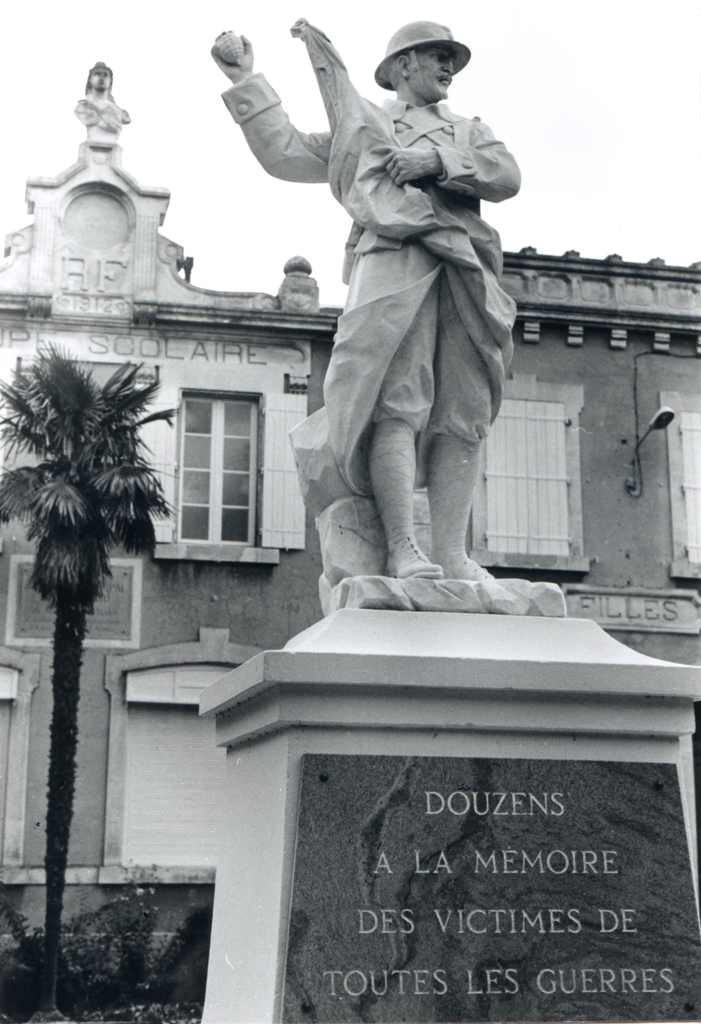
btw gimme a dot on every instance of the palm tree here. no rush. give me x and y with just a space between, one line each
89 490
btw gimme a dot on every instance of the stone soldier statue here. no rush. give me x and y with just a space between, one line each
98 111
417 370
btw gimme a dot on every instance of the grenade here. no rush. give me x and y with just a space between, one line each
229 47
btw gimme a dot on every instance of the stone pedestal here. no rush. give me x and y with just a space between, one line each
390 773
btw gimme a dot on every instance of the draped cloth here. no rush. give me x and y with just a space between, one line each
456 274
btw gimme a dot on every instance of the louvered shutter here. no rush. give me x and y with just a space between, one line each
5 767
161 441
173 787
691 448
526 471
283 508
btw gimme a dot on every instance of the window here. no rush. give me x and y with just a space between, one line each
8 693
19 677
174 770
527 510
164 770
684 450
690 429
234 499
228 471
218 470
526 476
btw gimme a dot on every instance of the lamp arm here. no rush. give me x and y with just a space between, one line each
639 444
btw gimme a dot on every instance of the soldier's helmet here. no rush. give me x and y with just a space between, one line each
421 33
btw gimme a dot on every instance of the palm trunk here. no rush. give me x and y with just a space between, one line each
69 633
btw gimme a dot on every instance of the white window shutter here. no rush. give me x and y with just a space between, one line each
5 767
174 776
691 448
161 442
527 500
507 490
283 508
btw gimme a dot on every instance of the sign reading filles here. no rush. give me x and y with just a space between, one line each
446 889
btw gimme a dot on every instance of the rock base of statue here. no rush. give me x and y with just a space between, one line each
443 817
490 597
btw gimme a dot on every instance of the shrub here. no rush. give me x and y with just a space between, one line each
111 959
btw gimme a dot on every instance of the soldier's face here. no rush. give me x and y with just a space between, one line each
431 73
100 80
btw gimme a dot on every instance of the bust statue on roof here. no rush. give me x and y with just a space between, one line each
98 111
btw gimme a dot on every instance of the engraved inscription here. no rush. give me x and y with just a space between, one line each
670 611
152 346
93 283
98 275
473 889
99 304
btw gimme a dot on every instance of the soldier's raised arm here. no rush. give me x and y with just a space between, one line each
282 150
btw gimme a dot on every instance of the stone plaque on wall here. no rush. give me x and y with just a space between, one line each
474 889
636 610
113 623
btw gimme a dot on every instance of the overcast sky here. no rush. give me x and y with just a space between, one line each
598 100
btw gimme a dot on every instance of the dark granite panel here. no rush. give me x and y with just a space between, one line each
475 889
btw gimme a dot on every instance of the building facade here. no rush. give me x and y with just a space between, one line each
234 571
567 494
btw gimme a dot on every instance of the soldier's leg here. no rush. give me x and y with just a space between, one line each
401 412
459 421
382 359
392 475
453 467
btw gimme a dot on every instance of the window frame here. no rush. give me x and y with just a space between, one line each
213 648
19 678
216 472
525 387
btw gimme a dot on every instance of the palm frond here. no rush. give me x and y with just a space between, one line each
22 429
52 406
61 565
131 497
58 504
162 414
18 489
133 487
115 445
137 536
121 395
